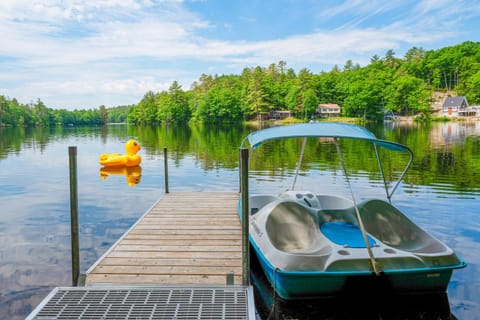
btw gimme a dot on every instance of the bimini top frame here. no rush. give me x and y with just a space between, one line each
330 130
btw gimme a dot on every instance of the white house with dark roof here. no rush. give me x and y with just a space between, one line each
456 106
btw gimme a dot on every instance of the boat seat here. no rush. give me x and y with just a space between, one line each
390 226
257 202
291 227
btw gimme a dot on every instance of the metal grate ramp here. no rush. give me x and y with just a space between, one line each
234 302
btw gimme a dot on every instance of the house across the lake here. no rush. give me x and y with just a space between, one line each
329 110
280 114
458 106
276 115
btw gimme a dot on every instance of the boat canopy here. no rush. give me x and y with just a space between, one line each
330 130
320 129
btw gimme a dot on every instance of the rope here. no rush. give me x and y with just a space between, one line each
274 292
357 212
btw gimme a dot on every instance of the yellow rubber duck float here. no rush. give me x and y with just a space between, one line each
130 159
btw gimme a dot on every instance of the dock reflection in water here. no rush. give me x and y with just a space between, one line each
360 301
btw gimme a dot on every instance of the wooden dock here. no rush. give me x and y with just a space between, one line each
181 260
192 238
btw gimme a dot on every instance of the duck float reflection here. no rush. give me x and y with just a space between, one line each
130 159
126 164
132 174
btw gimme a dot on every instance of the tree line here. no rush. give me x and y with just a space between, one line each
402 85
13 114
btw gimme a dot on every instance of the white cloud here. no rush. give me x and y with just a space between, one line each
426 6
361 8
107 47
137 86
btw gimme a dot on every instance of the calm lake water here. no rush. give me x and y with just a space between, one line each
441 193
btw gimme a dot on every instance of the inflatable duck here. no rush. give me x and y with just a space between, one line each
132 174
130 159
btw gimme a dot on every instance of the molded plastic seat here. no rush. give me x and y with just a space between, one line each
291 227
389 225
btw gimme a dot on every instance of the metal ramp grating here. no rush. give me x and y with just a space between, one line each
141 303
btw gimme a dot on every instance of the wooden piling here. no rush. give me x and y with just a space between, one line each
75 246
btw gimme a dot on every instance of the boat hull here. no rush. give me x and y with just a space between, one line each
290 285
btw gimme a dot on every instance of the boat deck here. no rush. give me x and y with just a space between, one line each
192 238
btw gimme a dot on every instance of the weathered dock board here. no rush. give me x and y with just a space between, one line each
192 238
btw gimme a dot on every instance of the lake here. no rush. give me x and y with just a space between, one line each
441 193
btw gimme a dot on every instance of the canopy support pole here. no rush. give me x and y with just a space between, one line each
382 172
300 160
357 212
402 175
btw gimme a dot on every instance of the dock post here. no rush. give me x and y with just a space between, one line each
240 171
72 152
245 216
165 156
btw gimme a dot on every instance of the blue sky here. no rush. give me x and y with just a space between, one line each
87 53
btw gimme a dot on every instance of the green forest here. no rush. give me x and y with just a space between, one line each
389 83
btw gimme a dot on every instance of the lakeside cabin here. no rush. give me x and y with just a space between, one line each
281 114
458 106
276 115
326 110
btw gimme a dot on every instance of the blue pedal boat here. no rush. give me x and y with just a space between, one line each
314 244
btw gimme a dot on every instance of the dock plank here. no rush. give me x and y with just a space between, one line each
171 262
193 236
153 248
172 254
183 242
190 238
161 279
167 270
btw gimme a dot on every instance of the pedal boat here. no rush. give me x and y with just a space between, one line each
318 244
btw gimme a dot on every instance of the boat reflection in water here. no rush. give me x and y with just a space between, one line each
360 300
132 175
